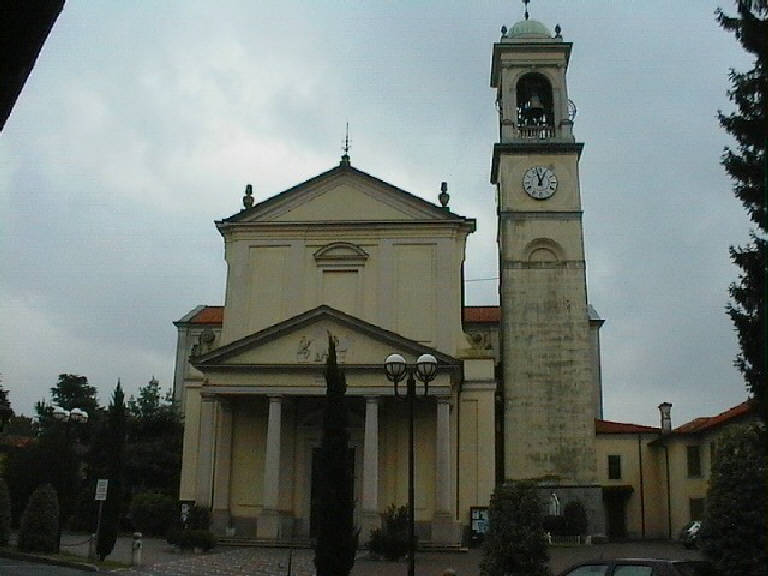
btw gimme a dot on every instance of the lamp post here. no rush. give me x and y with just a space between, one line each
77 416
425 370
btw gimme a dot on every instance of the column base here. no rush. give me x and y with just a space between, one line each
445 530
368 521
268 527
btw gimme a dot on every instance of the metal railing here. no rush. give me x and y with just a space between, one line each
540 132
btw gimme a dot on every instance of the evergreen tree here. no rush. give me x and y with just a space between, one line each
154 443
337 537
747 165
733 534
515 544
39 531
109 448
5 513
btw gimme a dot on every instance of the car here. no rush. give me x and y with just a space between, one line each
689 535
641 567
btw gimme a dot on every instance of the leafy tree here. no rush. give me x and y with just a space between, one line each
747 165
5 513
733 534
153 514
109 449
515 544
337 537
53 458
21 426
72 391
39 530
6 412
153 448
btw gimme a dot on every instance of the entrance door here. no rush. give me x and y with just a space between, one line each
616 515
315 489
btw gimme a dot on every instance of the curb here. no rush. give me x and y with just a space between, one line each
50 560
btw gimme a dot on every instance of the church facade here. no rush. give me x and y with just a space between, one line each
518 393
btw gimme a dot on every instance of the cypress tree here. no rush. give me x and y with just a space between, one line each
337 537
110 456
748 167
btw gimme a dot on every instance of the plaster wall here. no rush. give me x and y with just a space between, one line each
647 497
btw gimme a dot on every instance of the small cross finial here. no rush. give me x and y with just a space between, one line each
345 148
526 2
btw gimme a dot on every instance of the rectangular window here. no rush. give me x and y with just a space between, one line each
694 462
614 467
696 508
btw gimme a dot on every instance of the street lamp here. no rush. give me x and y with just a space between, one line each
77 416
425 370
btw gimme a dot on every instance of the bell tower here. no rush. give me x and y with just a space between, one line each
549 371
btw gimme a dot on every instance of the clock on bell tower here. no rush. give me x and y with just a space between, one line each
549 369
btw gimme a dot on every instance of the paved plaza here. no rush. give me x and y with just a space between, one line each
159 559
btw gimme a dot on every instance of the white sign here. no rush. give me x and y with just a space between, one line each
101 490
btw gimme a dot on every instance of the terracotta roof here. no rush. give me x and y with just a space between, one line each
209 315
608 427
707 423
482 314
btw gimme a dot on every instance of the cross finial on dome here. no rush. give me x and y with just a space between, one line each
526 2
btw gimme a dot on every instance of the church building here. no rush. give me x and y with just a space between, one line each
518 392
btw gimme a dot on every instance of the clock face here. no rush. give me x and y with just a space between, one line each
539 182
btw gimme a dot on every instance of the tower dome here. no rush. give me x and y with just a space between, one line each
529 30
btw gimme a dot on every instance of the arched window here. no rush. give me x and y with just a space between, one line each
534 101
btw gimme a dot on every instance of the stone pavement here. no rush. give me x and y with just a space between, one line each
160 559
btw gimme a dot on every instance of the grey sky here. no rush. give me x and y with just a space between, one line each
141 124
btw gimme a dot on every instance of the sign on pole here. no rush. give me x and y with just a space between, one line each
101 490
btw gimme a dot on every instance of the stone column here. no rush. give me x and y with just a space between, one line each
444 527
269 520
222 469
204 476
370 514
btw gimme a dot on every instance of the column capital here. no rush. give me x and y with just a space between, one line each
372 399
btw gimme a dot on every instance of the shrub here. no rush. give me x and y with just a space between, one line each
39 530
5 513
391 541
575 518
515 544
194 533
554 524
199 518
196 539
153 514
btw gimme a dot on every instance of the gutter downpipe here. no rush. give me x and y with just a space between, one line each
669 496
642 485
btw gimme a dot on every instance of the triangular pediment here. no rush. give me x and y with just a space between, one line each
302 341
343 194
